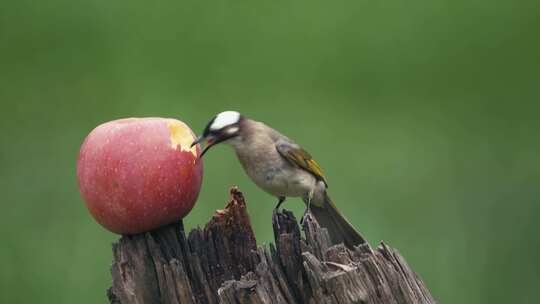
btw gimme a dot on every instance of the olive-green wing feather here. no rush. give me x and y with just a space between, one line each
299 157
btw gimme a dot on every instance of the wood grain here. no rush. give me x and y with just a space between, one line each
221 263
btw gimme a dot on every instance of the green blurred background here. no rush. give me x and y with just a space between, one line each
424 116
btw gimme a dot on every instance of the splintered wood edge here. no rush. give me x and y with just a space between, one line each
233 217
296 269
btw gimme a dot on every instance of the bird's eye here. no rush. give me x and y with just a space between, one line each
232 130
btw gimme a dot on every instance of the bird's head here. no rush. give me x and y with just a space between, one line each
223 127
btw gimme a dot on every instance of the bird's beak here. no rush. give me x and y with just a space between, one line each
210 141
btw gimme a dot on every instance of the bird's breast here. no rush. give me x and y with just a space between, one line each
275 175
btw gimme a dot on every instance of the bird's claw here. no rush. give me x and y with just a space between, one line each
306 213
281 200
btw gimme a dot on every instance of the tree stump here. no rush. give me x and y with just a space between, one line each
223 264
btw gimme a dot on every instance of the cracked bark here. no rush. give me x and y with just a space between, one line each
221 263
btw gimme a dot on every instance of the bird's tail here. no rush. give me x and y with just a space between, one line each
339 228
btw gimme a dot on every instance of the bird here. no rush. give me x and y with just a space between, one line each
281 167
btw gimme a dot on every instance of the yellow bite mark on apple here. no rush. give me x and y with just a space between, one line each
181 136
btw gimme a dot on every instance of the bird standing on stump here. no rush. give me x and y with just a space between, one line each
280 167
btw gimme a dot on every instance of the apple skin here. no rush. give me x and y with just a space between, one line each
137 174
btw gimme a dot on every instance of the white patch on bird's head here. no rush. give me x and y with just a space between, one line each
224 119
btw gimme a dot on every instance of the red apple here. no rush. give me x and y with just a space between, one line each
137 174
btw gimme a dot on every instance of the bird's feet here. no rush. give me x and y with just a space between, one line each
281 200
303 216
306 213
308 207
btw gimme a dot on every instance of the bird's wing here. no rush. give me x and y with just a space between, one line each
299 157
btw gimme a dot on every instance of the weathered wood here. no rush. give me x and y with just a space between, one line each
222 264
